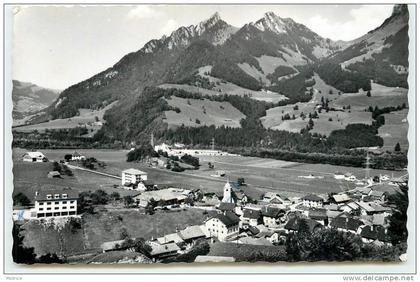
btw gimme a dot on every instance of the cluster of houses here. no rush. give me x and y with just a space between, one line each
179 150
266 222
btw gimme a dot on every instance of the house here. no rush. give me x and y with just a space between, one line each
226 207
55 203
349 177
250 217
223 226
274 198
37 157
371 208
164 197
341 198
377 195
350 207
374 233
133 176
54 174
170 238
294 224
364 191
163 251
312 201
319 215
192 233
273 217
271 236
346 223
77 157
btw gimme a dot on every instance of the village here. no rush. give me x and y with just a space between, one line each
232 215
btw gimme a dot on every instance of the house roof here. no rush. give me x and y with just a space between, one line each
374 232
42 195
226 206
312 198
170 238
253 230
34 154
191 232
347 223
252 214
340 198
134 171
293 224
317 214
372 207
227 218
272 212
376 193
363 190
158 249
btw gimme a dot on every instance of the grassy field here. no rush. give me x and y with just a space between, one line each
382 96
206 111
86 118
104 226
260 174
395 130
244 252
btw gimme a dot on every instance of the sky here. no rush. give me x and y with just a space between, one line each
58 46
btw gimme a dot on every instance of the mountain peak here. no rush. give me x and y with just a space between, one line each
399 9
271 22
214 18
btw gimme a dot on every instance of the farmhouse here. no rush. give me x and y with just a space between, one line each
133 176
192 233
374 233
55 203
273 217
163 251
37 157
346 223
223 226
377 195
341 198
164 197
274 198
251 217
312 201
77 157
293 224
372 208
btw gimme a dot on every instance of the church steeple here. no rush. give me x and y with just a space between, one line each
227 193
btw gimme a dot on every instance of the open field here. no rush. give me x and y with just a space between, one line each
260 174
86 118
106 225
206 111
395 130
245 252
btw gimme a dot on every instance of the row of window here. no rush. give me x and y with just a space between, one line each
56 196
49 214
56 203
57 208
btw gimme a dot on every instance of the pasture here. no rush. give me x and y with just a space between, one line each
261 175
395 130
86 118
205 111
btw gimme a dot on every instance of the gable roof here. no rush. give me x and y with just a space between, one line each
226 206
191 232
340 198
272 212
347 223
312 198
251 214
376 193
34 154
374 232
227 218
42 195
158 249
317 214
293 224
170 238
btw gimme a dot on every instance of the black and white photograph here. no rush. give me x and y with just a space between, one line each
210 134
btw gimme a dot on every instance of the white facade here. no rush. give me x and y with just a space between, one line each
312 204
133 176
34 157
55 205
216 228
227 194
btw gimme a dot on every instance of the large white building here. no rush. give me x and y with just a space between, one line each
34 157
133 176
222 226
313 201
55 203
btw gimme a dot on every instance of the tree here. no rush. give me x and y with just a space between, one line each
368 94
141 246
115 196
99 197
49 258
20 253
21 199
311 124
128 201
241 181
397 147
398 219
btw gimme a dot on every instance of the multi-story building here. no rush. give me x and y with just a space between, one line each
133 176
223 226
55 203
